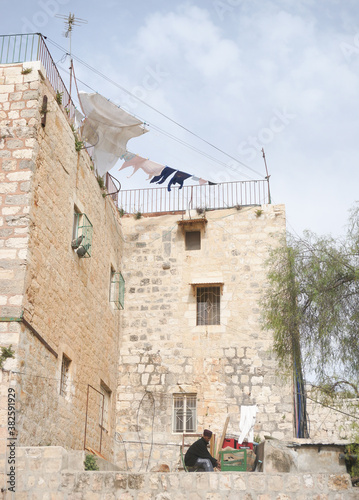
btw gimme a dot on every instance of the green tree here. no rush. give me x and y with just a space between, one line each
312 306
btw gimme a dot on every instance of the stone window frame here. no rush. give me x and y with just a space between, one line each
180 412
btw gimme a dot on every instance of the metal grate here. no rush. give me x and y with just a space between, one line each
83 231
208 305
117 290
184 412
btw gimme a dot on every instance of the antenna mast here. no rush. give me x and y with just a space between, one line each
267 176
70 22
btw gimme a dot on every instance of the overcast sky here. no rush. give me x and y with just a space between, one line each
241 74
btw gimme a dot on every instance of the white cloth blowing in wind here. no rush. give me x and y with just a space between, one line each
247 422
108 129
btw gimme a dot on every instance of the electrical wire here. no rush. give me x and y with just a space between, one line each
99 73
173 137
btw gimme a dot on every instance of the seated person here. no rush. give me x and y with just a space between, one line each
198 455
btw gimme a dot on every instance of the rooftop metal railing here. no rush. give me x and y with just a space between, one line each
28 47
208 196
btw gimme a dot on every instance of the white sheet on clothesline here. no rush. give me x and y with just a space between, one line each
108 129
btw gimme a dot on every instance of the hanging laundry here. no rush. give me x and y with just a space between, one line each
166 172
247 423
127 156
178 178
149 167
199 180
108 128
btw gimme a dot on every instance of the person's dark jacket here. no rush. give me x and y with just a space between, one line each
198 450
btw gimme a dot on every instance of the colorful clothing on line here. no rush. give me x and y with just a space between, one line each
149 167
178 178
166 172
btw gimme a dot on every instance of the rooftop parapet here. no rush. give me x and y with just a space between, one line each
30 47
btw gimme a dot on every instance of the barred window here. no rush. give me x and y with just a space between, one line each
81 234
208 305
184 412
117 289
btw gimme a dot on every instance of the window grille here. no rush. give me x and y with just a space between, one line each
65 376
117 290
184 412
208 305
82 235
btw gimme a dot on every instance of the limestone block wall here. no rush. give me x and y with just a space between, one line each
163 352
46 473
19 117
334 421
63 299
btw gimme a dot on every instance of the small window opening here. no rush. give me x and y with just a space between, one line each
105 405
193 240
65 376
208 305
117 289
81 234
184 412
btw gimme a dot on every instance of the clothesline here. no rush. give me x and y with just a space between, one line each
158 173
108 129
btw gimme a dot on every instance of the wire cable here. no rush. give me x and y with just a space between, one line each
99 73
171 136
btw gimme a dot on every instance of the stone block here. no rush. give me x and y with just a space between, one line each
30 94
22 153
120 481
257 482
338 482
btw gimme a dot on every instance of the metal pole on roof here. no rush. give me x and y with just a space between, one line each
267 176
70 22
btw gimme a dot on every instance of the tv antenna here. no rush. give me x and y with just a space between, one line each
267 176
70 22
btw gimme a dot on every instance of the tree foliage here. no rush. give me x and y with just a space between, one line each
312 305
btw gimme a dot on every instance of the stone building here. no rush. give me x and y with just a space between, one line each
186 351
192 350
60 299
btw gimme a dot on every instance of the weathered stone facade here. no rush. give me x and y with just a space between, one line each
53 302
163 352
51 473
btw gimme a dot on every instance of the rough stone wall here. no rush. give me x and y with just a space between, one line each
334 421
64 299
18 129
162 350
46 473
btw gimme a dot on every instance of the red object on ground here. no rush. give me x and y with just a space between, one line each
229 443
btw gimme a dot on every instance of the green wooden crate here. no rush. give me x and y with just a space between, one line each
233 460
